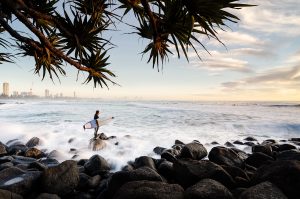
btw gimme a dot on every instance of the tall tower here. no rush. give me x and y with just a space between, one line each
5 89
47 93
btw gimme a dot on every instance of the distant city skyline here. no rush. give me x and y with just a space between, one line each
261 62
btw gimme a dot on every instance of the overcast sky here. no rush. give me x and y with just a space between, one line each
261 61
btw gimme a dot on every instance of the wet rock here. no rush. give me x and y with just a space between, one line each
37 165
229 144
242 154
83 181
6 165
55 155
49 162
225 156
73 150
188 173
236 172
268 142
4 194
258 159
94 181
97 144
34 153
144 161
2 149
95 165
284 147
295 139
148 189
166 169
128 167
193 151
238 142
22 160
33 142
251 139
17 149
208 189
6 159
159 150
47 196
214 143
178 142
18 181
14 142
122 177
168 156
284 174
82 162
249 143
112 137
288 155
266 149
263 190
61 179
71 140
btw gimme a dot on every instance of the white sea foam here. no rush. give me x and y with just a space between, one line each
149 124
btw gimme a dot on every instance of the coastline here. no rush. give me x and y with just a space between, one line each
184 171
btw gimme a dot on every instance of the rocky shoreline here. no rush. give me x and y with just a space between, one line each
184 171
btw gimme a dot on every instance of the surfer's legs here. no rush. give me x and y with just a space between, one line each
96 131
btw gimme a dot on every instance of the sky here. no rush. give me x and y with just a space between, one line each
261 62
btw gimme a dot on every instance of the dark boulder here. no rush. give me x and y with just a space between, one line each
54 154
159 150
166 169
258 159
18 149
47 196
295 139
2 149
168 156
284 147
81 162
34 153
288 155
37 165
284 174
22 160
18 181
208 189
266 149
14 142
229 144
4 194
61 179
178 142
214 143
251 139
149 190
238 142
49 162
194 150
71 140
236 172
6 165
86 182
188 173
263 190
33 142
95 165
268 142
144 161
242 154
225 156
120 178
6 159
249 143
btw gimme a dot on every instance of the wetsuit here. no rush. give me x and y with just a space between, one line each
97 128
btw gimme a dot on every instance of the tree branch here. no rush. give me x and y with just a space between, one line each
151 16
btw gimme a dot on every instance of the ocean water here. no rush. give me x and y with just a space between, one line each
149 124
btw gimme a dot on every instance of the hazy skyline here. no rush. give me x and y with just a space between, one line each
261 62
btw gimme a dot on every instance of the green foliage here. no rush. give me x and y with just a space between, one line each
60 31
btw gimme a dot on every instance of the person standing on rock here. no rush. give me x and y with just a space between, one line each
96 116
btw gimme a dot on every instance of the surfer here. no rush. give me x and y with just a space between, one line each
96 116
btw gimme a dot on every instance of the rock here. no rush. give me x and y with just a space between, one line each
22 160
168 156
188 173
149 189
49 162
2 149
14 142
94 181
17 149
193 151
33 142
128 167
296 143
6 165
81 162
47 196
71 140
61 179
214 143
268 142
18 181
236 172
225 156
54 155
37 165
95 165
295 139
112 137
238 142
288 155
97 144
6 159
166 169
242 154
102 136
159 150
266 149
284 174
251 139
284 147
263 190
249 143
33 153
83 181
4 194
258 159
178 142
229 144
122 177
144 161
208 189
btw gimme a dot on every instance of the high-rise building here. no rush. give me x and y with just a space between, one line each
47 93
15 94
5 89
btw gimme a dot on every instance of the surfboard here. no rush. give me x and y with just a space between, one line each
93 123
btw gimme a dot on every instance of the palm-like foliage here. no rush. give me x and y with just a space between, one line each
75 36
